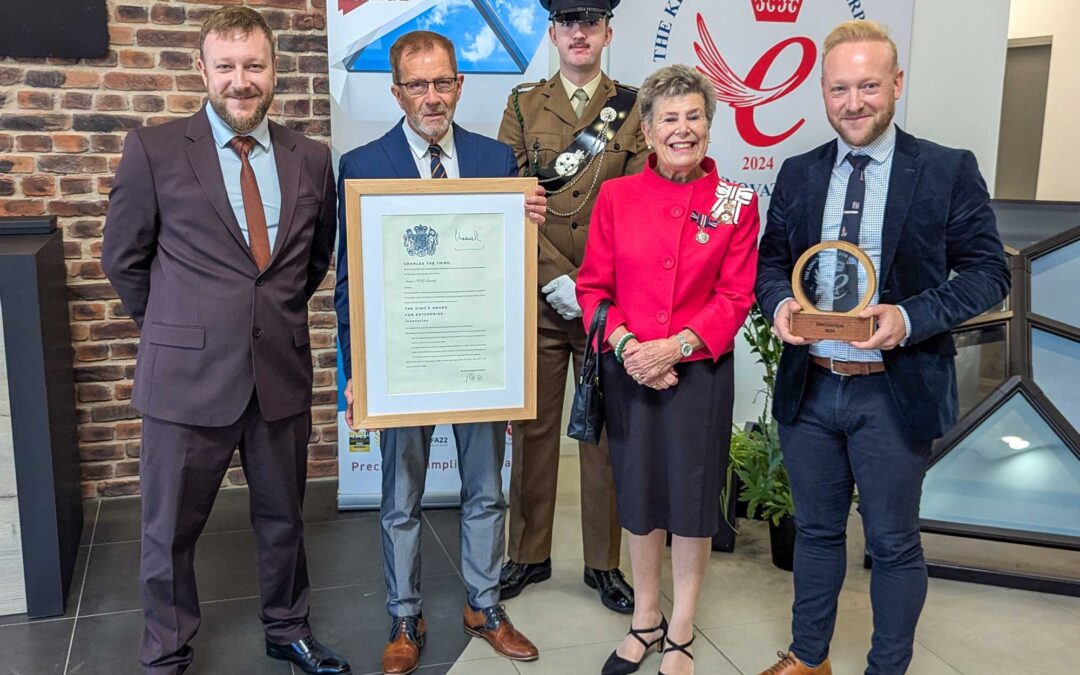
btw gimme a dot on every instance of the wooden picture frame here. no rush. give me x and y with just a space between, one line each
430 345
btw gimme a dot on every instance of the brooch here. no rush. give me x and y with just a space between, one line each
730 199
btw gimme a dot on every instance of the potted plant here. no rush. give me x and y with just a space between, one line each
765 488
755 458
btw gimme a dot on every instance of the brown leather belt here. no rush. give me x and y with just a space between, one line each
848 368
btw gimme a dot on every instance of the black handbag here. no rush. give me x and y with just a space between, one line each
587 414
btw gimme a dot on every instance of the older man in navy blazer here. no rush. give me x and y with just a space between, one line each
865 413
427 144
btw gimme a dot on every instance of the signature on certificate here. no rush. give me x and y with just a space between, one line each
474 377
465 240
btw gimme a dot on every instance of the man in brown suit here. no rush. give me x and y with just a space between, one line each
220 228
573 131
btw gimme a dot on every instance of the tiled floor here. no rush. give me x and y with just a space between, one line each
743 620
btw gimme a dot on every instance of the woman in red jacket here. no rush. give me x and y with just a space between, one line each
674 249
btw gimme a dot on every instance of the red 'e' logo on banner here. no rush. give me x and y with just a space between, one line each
747 94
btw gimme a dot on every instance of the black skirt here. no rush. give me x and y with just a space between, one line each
669 449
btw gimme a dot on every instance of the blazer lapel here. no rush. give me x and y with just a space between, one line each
288 168
558 103
818 176
465 146
203 157
902 180
399 154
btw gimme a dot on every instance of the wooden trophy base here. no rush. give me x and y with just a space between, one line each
831 327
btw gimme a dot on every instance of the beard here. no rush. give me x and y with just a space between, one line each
241 125
434 130
881 121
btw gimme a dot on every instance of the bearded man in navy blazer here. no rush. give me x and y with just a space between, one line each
220 228
865 413
427 144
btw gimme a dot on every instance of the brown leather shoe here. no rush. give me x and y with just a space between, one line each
402 653
493 625
789 664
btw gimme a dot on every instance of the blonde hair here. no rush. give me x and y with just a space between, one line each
859 30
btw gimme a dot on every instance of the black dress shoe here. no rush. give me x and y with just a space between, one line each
514 577
309 656
615 593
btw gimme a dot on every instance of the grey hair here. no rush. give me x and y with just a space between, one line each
675 80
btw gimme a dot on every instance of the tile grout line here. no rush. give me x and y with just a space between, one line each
943 660
214 602
82 587
453 563
307 524
1053 602
718 650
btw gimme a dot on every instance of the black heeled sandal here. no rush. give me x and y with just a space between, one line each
676 647
617 665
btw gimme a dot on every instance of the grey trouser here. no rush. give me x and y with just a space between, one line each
481 452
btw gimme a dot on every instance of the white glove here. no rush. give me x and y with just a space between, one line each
561 294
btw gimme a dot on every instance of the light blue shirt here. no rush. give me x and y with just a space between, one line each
262 163
880 151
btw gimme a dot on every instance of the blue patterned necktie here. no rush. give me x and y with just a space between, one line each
853 200
437 168
846 285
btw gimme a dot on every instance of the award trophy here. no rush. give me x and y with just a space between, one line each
825 282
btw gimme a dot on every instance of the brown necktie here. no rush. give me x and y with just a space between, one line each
258 237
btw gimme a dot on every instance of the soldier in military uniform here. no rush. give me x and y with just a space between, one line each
573 131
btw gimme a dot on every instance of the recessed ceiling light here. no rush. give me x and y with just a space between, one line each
1016 443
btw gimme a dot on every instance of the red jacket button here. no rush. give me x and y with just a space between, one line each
661 317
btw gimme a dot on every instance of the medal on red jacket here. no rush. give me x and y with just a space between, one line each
702 220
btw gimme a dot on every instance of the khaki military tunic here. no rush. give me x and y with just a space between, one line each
547 126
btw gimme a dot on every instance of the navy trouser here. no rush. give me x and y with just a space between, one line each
850 432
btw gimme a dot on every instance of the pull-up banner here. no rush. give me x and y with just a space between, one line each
764 60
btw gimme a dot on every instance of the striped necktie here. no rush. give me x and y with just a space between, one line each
846 285
437 168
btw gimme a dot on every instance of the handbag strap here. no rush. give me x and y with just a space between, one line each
597 330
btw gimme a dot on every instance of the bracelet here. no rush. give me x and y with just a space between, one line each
621 344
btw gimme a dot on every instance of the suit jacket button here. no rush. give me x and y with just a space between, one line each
576 193
260 282
669 262
573 226
676 211
617 147
256 332
661 317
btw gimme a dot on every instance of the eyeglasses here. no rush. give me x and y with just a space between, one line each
443 85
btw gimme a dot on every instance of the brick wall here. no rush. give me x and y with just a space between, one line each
62 128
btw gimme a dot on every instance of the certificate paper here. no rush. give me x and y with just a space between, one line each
442 300
443 289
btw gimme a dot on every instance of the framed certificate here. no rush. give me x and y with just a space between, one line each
442 300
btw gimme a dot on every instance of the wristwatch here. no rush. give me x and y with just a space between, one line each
684 347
